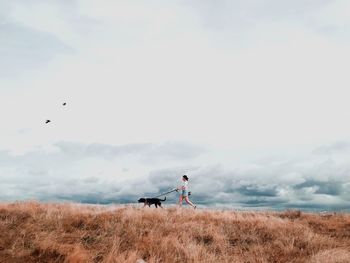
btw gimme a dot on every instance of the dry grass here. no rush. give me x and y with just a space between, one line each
35 232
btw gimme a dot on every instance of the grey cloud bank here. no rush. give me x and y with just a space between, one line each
312 183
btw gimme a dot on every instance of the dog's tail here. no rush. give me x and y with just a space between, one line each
163 199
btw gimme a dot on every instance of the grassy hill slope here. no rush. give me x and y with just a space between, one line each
36 232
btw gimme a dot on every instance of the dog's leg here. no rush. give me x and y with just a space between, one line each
156 205
160 205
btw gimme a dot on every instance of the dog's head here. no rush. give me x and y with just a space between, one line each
142 200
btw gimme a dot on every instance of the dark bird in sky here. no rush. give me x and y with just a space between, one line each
64 104
47 121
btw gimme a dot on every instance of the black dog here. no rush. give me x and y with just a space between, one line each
152 201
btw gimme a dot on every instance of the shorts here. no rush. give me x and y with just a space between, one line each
184 193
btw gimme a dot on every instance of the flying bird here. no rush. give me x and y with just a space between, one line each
47 121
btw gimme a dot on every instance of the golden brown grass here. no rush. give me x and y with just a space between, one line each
36 232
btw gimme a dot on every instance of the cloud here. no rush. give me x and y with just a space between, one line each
177 79
258 190
147 152
95 173
337 147
220 186
77 171
23 48
323 187
240 20
231 13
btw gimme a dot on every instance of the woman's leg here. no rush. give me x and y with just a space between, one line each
180 201
189 202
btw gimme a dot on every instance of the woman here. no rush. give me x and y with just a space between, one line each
184 192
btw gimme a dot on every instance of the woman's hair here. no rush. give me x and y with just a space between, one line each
185 177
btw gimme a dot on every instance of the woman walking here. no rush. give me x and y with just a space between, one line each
184 192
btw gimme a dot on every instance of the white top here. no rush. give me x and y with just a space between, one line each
184 185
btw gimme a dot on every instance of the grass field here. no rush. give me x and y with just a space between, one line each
38 232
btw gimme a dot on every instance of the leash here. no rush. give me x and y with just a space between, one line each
165 193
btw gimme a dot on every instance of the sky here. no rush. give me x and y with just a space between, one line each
249 98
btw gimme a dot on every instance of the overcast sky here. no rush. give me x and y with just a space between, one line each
247 97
